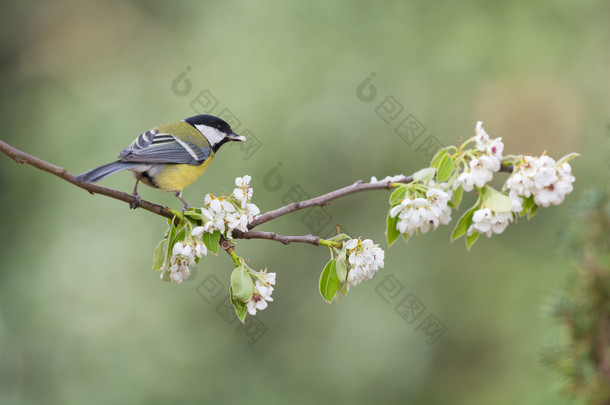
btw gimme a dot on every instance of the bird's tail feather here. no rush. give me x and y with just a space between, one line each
99 173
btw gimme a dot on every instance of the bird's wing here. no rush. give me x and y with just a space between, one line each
158 147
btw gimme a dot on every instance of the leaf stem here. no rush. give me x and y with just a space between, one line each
236 259
330 243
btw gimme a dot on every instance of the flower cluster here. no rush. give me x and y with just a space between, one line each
543 178
364 259
184 256
226 214
487 221
262 292
486 160
422 213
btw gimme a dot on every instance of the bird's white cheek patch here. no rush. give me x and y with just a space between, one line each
213 135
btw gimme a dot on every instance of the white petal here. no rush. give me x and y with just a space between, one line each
198 231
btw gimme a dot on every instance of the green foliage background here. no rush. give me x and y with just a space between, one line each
83 320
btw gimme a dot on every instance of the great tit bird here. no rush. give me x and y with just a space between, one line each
171 156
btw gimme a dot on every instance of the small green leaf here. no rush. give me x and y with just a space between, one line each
457 197
211 241
391 232
528 204
160 255
240 307
398 195
567 158
436 160
329 282
463 224
471 239
169 245
533 211
496 201
180 234
445 168
424 174
242 286
172 234
342 265
339 237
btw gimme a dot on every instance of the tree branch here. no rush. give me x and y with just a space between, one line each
24 158
333 195
286 240
325 199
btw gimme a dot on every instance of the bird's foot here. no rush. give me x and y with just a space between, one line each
187 207
135 204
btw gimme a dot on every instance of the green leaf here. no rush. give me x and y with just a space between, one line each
424 174
445 168
457 197
329 282
463 224
567 158
398 195
342 265
533 211
180 234
339 237
496 201
528 204
436 160
471 239
211 241
391 232
172 234
240 307
242 286
160 255
170 237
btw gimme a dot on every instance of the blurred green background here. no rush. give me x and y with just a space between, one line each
82 318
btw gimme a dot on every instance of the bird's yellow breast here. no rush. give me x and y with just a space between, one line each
177 177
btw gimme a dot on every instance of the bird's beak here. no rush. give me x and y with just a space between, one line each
236 138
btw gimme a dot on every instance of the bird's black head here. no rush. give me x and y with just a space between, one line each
215 130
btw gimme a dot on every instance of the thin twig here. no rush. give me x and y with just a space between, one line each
325 199
286 240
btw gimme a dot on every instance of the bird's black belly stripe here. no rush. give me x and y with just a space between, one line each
145 177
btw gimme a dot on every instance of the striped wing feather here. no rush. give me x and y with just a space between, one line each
158 147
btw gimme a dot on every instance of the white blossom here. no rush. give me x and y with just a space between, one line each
182 258
489 222
391 179
364 258
484 164
262 293
423 214
226 214
243 192
481 137
218 204
543 178
243 181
